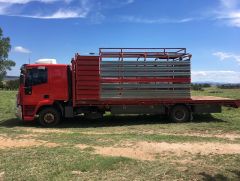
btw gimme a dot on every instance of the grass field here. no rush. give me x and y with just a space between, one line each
122 148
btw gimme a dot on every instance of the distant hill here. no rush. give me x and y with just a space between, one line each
215 83
7 78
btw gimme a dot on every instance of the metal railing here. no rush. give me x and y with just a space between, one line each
157 53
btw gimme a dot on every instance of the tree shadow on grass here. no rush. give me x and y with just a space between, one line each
14 122
201 118
220 177
217 177
109 121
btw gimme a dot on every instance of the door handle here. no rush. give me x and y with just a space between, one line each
46 96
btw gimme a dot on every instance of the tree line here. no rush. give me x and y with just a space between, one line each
201 86
9 85
5 63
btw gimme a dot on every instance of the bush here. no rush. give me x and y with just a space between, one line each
199 87
229 86
11 85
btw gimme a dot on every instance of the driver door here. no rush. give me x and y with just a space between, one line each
36 86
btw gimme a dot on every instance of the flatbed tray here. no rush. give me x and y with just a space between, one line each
193 100
209 98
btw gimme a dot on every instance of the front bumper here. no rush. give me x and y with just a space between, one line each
18 112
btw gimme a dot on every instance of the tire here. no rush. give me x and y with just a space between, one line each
49 117
180 114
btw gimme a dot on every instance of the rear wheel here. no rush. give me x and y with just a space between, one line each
180 114
49 117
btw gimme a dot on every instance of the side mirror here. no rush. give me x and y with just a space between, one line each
28 90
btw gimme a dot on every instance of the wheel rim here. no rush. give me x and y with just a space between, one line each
179 115
49 118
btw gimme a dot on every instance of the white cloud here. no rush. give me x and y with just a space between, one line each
226 55
60 14
67 9
133 19
221 76
229 3
97 18
21 49
229 12
63 14
185 20
26 1
3 8
129 1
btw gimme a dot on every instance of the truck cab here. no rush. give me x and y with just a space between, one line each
42 86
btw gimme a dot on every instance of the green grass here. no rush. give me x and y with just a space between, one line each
67 162
111 139
70 164
8 104
214 91
54 163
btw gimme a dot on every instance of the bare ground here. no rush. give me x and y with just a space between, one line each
12 143
149 150
140 150
46 130
230 136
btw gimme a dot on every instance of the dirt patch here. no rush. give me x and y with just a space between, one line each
46 130
185 161
98 133
23 136
149 150
2 176
13 143
125 152
192 148
119 151
229 136
77 172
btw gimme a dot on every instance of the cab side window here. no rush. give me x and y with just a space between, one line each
36 76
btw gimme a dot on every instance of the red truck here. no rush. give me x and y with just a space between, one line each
118 80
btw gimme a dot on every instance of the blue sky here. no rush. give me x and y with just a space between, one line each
209 29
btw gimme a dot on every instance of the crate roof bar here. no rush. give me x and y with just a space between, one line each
159 53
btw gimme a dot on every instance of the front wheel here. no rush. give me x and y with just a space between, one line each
180 114
49 117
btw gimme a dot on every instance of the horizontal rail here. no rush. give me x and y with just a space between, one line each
143 68
143 63
144 74
145 80
163 53
139 48
142 86
147 94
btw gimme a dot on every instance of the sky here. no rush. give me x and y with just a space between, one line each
209 29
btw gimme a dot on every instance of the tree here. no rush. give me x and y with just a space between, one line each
5 63
12 84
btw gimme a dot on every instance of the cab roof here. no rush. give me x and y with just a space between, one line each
47 65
